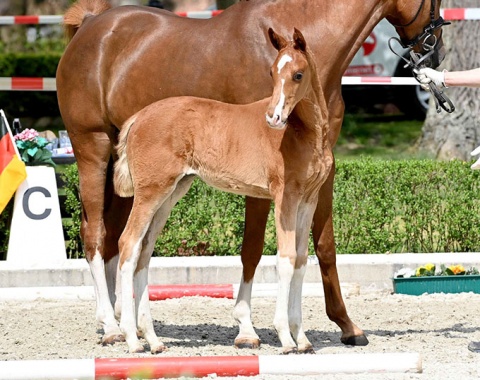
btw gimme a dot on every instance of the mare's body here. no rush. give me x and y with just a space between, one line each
125 58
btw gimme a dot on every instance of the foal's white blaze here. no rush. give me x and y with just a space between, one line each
276 118
283 61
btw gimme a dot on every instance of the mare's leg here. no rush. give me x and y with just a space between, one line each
286 210
304 223
142 303
97 236
256 215
324 243
116 215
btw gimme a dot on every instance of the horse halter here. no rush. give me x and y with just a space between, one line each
429 43
428 30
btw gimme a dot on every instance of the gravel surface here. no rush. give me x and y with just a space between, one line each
438 326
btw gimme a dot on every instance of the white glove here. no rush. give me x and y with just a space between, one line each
476 165
426 75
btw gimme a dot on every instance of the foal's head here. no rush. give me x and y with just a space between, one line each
292 77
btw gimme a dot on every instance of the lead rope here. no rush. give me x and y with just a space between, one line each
416 62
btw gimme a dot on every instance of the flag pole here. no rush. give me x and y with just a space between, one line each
10 133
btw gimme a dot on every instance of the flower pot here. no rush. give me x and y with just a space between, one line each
416 286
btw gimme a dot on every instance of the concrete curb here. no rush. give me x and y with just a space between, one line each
367 272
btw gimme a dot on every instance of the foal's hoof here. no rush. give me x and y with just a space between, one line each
112 339
158 349
247 343
307 350
360 340
138 350
290 351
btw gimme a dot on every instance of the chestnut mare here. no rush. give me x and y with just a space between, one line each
230 147
122 59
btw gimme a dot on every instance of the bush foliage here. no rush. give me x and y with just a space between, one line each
379 207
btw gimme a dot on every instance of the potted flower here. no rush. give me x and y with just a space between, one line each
427 279
33 148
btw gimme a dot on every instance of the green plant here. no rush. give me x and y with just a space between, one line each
406 206
379 206
73 207
32 148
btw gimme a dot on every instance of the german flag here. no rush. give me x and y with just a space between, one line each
12 168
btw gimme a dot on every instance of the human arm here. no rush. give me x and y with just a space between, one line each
466 78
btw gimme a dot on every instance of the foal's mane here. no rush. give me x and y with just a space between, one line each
315 101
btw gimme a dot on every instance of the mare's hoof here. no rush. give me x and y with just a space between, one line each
474 347
360 340
290 351
112 339
247 343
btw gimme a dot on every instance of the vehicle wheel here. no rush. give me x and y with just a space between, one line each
411 100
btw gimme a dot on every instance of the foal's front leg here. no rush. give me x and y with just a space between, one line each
304 222
285 221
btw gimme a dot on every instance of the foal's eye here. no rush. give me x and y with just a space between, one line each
298 76
271 72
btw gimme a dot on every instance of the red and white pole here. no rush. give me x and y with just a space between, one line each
198 366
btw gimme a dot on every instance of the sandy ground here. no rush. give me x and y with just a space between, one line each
439 327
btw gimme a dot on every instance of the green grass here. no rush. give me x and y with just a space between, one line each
391 137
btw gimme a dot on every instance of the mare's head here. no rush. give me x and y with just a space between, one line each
291 76
419 25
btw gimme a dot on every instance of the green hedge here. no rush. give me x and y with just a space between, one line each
379 207
29 103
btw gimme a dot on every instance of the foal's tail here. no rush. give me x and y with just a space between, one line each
122 177
74 16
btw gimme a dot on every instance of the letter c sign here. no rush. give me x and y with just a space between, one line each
25 203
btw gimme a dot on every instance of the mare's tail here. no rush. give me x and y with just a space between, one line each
122 177
74 16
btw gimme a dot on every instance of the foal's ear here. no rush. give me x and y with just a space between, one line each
277 41
299 40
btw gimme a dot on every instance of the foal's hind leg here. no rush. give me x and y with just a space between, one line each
256 214
144 317
131 245
324 243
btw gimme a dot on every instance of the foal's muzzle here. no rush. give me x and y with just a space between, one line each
275 121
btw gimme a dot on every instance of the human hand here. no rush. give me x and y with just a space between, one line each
426 75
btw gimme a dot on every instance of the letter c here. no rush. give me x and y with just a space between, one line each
26 198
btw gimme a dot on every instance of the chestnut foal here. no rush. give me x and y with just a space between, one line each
163 147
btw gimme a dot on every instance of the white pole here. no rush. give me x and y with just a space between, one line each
340 363
81 369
